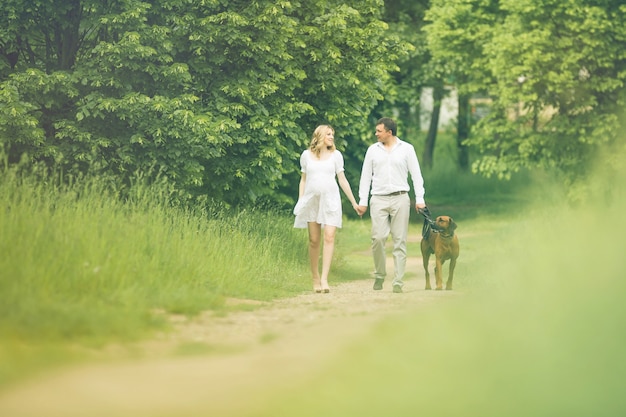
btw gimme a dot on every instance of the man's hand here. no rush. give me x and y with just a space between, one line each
361 210
419 206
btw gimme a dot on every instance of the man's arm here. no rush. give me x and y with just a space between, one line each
416 177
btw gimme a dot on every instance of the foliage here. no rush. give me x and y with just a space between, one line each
555 72
402 97
217 97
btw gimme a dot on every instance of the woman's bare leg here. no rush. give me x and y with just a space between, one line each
315 232
327 256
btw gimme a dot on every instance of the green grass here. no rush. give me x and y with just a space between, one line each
83 267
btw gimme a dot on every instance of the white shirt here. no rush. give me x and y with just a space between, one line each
387 172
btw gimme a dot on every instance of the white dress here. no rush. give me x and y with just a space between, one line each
320 202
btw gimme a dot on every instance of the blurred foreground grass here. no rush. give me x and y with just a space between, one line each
539 331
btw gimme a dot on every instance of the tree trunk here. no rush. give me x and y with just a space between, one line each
463 128
431 137
65 40
411 122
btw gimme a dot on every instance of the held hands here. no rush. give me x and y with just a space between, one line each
360 210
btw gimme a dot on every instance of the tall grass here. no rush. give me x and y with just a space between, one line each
81 265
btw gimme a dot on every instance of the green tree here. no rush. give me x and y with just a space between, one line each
416 71
278 70
402 93
457 34
217 97
95 89
555 71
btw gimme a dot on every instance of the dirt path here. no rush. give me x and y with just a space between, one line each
244 355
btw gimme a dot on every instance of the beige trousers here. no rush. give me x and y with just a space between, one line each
390 215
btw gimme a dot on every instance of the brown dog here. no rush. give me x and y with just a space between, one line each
445 245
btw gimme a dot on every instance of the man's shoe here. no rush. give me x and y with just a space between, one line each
378 284
397 289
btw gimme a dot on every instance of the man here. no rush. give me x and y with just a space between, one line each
385 171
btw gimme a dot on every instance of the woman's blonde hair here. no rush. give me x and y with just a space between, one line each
317 141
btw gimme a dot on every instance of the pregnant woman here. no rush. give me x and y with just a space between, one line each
319 203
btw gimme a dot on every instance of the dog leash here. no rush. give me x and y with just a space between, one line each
425 211
429 223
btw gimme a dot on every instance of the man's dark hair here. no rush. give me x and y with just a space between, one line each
389 124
